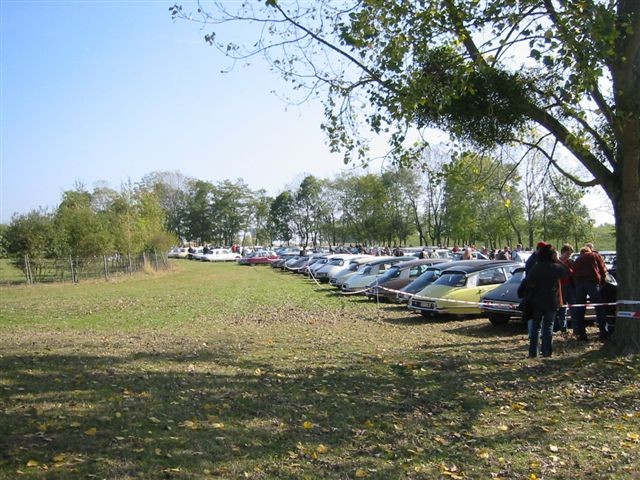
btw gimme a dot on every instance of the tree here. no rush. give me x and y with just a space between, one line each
259 207
483 71
308 210
198 222
280 213
401 190
172 189
229 211
570 221
29 235
82 232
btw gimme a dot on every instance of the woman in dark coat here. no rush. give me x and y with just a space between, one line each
543 288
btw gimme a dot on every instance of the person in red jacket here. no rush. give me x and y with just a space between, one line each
567 288
589 273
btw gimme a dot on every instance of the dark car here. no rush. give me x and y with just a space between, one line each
386 287
502 303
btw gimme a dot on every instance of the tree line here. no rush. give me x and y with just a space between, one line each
450 199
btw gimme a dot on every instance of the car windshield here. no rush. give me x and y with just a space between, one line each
516 277
366 270
452 279
425 279
393 272
336 261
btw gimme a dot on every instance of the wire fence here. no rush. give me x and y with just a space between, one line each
74 270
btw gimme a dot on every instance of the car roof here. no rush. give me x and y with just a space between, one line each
477 265
420 261
377 260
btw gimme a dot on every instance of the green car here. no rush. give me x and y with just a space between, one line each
458 289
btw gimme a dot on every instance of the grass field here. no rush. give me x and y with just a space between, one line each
227 372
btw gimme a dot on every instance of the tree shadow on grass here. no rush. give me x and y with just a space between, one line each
484 330
169 413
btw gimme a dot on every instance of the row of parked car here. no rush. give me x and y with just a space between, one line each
430 286
205 255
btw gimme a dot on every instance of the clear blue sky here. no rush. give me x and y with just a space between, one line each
113 90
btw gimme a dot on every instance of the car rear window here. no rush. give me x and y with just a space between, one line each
452 279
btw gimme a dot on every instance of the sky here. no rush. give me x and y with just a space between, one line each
110 91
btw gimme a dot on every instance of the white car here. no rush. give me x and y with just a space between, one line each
338 278
370 272
178 252
220 255
334 264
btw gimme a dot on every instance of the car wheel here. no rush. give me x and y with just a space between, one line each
426 314
498 319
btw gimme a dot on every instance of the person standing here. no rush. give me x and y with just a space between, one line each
568 290
589 274
543 287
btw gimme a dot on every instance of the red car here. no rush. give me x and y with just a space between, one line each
261 257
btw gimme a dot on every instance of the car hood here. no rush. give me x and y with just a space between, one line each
360 280
435 291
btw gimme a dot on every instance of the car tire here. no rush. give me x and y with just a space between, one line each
426 314
498 319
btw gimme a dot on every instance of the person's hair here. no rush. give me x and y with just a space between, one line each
546 253
566 248
585 250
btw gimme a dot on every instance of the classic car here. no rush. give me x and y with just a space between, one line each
372 269
220 255
432 273
355 264
458 289
386 287
336 263
260 257
502 303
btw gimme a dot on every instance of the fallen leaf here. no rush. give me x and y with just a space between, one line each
91 431
322 448
307 425
360 473
32 463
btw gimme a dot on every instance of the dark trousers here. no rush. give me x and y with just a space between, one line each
592 291
541 320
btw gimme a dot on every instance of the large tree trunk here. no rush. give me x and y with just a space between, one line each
626 338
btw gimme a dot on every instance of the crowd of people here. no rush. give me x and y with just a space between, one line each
554 281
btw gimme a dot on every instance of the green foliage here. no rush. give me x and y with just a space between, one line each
29 234
82 231
280 214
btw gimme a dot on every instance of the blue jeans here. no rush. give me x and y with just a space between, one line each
568 294
545 320
584 290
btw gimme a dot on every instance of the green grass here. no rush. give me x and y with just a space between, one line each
9 273
222 371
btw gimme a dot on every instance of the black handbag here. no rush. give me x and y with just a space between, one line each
525 292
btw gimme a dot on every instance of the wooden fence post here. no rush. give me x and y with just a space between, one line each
27 270
73 274
106 267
